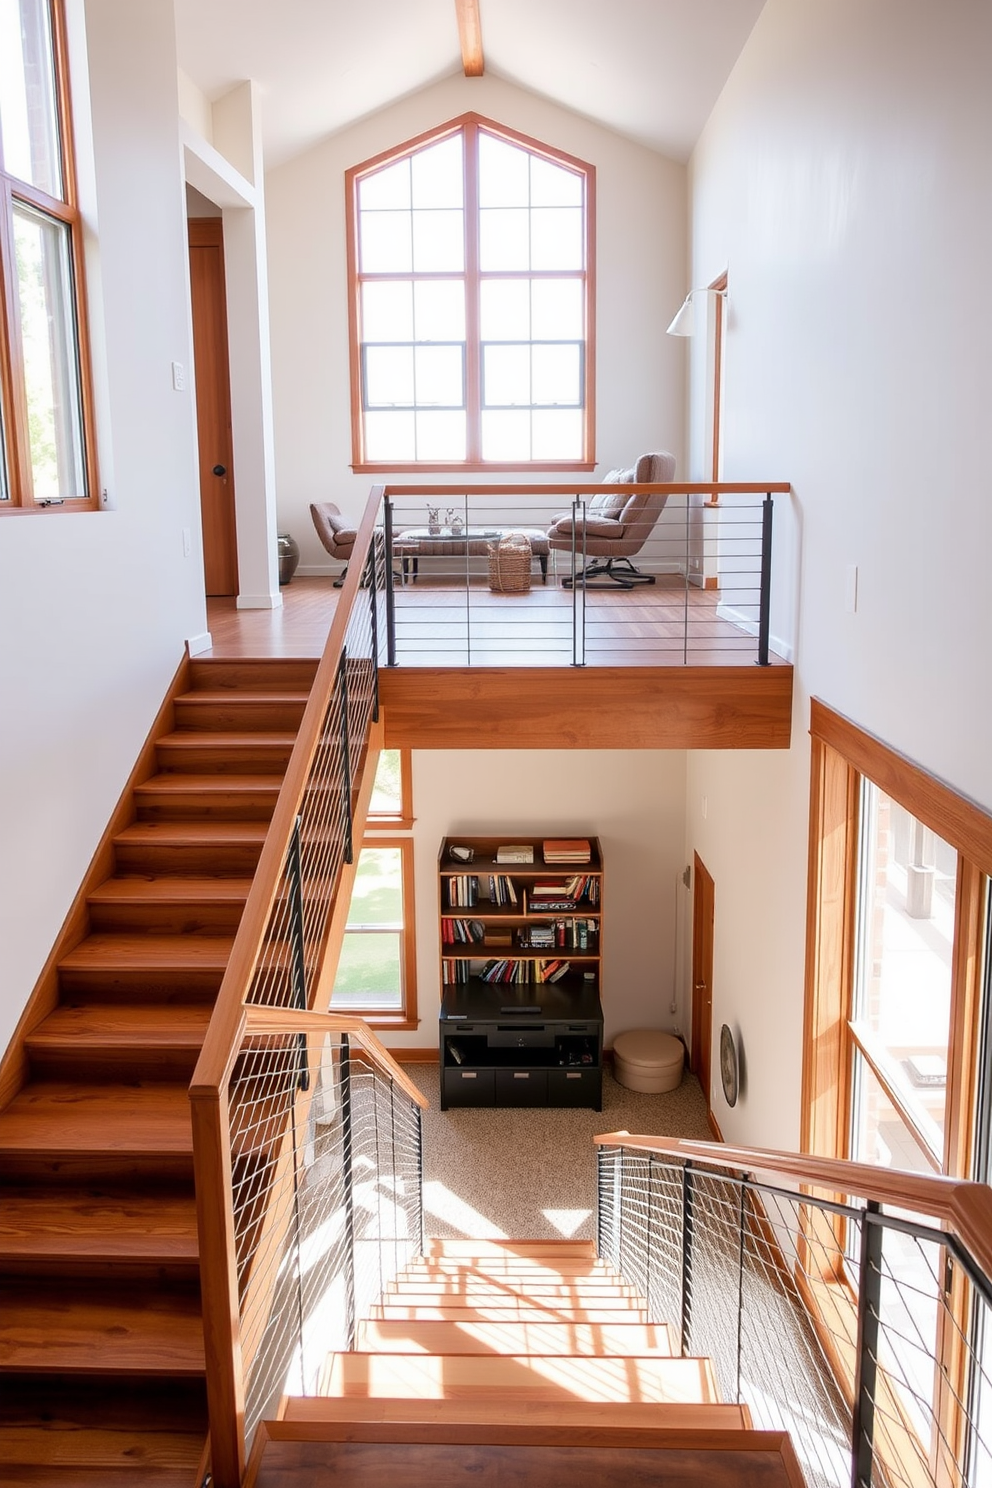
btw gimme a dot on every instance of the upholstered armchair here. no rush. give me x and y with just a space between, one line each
338 538
615 527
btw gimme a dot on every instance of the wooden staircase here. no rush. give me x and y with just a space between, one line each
101 1347
516 1362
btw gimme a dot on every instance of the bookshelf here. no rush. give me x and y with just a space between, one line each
521 953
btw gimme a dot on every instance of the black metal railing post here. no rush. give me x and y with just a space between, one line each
347 1180
742 1222
371 577
387 532
765 597
687 1223
869 1307
297 946
420 1181
349 845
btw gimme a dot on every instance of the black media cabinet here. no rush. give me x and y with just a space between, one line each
529 1045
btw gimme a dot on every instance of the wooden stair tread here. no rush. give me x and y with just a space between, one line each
71 1118
483 1410
522 1249
192 833
600 1293
108 1331
525 1337
111 950
228 741
242 696
41 1475
166 889
76 1224
541 1377
428 1309
497 1267
123 1025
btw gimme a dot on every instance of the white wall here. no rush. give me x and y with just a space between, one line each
640 283
95 607
634 803
843 177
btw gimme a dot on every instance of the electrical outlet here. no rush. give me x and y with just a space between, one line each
178 377
704 806
187 542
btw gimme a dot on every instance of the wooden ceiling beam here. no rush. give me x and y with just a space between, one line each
470 37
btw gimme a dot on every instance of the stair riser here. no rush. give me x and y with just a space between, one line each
77 1061
253 676
275 717
206 759
164 918
127 984
85 1268
235 859
217 805
95 1167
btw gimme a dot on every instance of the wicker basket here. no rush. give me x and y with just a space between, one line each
509 564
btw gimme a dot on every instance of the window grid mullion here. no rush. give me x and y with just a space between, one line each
473 369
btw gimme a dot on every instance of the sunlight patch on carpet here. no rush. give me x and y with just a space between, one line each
440 1202
567 1221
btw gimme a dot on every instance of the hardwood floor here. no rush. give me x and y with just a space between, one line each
443 621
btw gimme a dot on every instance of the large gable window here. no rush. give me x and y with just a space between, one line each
45 456
470 254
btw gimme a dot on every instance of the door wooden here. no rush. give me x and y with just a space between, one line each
213 404
702 973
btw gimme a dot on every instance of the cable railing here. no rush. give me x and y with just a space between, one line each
848 1305
496 575
325 1194
306 1143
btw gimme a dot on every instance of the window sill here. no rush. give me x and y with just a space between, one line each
524 468
391 1022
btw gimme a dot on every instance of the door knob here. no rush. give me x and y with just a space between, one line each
219 470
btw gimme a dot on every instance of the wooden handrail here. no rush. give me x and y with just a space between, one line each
535 492
964 1207
285 1020
220 1044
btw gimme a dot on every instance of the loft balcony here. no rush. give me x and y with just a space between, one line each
480 646
662 639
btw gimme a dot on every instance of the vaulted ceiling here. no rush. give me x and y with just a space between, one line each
650 69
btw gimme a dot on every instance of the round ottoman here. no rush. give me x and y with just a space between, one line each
648 1060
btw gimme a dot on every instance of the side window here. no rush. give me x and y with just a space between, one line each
377 968
46 455
470 253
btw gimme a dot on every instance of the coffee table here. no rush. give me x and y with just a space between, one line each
415 543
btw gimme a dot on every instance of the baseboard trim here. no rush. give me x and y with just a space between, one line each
196 645
714 1125
415 1056
258 602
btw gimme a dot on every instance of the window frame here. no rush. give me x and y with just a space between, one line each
469 125
842 755
401 821
403 1018
65 211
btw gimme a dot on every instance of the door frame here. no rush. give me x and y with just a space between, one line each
703 904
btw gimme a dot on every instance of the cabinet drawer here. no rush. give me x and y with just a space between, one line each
521 1087
469 1087
581 1087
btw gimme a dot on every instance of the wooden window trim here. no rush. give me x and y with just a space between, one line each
402 821
841 754
66 210
404 1019
469 124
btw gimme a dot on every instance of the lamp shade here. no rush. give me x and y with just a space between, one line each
683 324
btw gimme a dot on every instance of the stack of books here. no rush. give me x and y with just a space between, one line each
545 897
567 850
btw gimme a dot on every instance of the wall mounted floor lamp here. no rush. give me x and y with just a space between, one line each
684 322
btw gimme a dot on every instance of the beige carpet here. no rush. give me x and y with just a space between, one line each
531 1174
